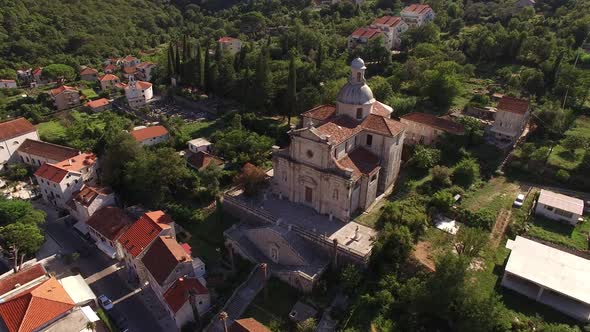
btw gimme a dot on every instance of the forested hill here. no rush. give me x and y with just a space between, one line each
41 31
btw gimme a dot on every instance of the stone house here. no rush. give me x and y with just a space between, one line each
65 97
144 71
392 27
35 153
129 61
184 297
89 74
512 116
13 133
138 93
98 105
106 226
416 15
344 156
87 201
422 128
108 82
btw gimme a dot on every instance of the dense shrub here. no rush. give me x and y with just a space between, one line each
466 172
441 176
562 175
442 200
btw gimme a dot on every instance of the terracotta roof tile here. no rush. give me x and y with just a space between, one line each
177 295
163 256
417 8
248 325
144 231
321 112
51 173
513 105
129 70
88 194
339 129
366 32
435 122
390 21
226 39
382 125
143 85
97 103
22 277
110 221
360 161
110 67
201 160
149 132
380 109
47 150
88 71
109 77
58 90
14 128
36 306
78 162
129 58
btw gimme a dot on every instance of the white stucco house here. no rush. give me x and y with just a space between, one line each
12 134
559 207
392 27
416 15
8 84
151 135
138 93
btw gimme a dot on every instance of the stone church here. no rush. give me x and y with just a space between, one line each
343 157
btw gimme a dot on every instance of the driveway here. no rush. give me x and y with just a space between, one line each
103 275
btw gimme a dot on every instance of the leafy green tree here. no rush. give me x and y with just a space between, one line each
262 81
466 172
443 200
441 87
170 60
59 71
533 81
239 146
19 211
393 248
381 88
470 241
573 142
200 68
441 176
22 240
350 278
308 325
553 120
425 157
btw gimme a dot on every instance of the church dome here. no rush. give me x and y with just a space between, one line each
355 94
358 64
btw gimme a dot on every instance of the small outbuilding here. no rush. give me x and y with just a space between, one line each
559 207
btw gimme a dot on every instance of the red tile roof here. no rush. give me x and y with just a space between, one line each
143 85
110 221
7 81
36 307
129 58
57 91
78 162
129 70
360 161
22 277
366 32
88 194
417 8
163 257
88 71
177 295
321 112
14 128
145 64
382 125
97 103
436 122
390 21
379 109
248 325
201 160
226 39
144 231
51 173
109 77
110 67
149 132
513 105
47 150
339 129
187 248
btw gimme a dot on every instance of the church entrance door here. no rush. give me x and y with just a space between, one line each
308 195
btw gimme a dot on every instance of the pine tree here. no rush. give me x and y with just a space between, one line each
200 68
292 88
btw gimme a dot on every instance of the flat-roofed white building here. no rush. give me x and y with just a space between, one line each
199 144
549 276
559 207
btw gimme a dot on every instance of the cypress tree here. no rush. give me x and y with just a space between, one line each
321 56
262 79
200 68
206 70
177 67
170 66
218 53
291 88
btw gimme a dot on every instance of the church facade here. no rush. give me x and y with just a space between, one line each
343 156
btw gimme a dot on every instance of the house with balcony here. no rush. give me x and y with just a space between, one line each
511 118
416 15
361 37
65 97
392 27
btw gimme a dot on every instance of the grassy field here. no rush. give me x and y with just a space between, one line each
199 128
52 131
562 158
560 233
495 194
89 93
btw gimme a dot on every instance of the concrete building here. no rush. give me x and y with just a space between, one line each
416 15
151 135
87 201
361 37
128 61
230 44
59 181
559 207
422 128
549 276
36 153
199 144
89 74
65 97
108 82
135 242
512 116
138 93
144 71
344 156
184 297
8 84
12 134
106 226
392 27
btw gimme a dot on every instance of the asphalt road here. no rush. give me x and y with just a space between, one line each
92 261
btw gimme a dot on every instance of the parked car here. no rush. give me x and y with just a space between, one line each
519 200
105 303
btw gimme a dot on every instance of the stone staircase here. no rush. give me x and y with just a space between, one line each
240 299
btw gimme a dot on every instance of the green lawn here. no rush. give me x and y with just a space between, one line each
560 233
52 131
495 194
89 93
199 129
562 158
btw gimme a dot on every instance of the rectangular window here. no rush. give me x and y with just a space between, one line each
369 140
359 113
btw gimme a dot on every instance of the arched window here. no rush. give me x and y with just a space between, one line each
358 76
15 143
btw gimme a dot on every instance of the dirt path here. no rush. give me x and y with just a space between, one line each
422 252
500 227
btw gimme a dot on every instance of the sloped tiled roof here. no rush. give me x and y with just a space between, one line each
143 85
145 230
513 105
36 306
248 325
321 112
382 125
129 70
149 132
22 277
360 161
97 103
88 194
339 129
78 162
366 32
436 122
226 39
163 257
58 90
417 8
108 77
177 295
110 221
47 150
14 128
202 159
390 21
88 71
51 173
